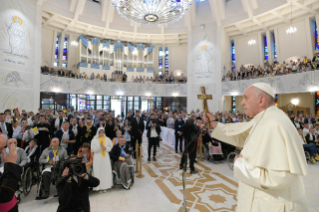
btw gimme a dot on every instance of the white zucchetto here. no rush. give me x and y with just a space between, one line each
265 87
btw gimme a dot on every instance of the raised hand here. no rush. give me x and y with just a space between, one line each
11 157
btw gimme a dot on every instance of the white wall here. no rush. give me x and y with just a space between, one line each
47 47
305 100
178 59
246 54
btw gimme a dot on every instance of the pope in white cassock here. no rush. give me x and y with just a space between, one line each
272 162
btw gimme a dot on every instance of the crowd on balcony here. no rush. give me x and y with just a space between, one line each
270 70
116 76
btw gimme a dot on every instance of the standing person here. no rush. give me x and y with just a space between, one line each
127 132
271 165
137 130
101 146
5 128
190 132
81 129
87 154
66 137
153 132
89 131
43 136
170 121
58 121
178 133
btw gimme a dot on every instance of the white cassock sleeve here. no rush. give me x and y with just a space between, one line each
108 144
262 178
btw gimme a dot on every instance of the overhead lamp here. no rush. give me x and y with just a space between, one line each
120 93
175 94
90 92
74 42
148 94
56 90
251 42
291 30
295 101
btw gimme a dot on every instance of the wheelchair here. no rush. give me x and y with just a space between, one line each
28 179
307 155
117 180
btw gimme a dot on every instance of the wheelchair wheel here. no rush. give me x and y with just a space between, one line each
307 155
230 159
27 181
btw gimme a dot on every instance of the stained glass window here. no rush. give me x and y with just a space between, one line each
276 100
233 57
265 48
65 49
316 36
57 47
275 50
160 59
233 104
166 58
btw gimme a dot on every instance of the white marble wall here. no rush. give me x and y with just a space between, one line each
67 85
20 45
294 83
204 66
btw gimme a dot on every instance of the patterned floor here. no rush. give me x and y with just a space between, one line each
206 191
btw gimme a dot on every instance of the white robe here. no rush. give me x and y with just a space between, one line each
102 165
273 163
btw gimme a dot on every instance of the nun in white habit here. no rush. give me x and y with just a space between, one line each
101 146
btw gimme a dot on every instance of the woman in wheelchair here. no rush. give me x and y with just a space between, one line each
87 155
122 163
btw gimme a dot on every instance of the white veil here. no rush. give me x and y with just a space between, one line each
98 130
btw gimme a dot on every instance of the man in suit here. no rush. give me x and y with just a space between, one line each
153 132
311 138
310 120
5 128
137 130
178 133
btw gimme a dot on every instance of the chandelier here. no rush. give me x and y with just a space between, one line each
291 30
74 42
251 42
152 11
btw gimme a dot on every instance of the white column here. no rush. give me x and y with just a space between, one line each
260 43
270 45
310 37
277 45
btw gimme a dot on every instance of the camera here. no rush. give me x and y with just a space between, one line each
75 165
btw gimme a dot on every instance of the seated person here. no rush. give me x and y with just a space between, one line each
48 158
117 138
65 136
22 158
74 191
23 134
120 154
87 155
312 148
311 138
32 151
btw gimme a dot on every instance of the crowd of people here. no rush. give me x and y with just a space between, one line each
275 69
106 142
164 78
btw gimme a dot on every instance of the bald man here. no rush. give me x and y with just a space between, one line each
10 177
48 158
271 165
22 158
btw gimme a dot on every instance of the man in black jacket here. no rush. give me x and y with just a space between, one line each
153 132
10 177
44 133
74 192
137 130
178 133
5 128
90 131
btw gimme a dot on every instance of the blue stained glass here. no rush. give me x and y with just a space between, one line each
275 50
316 36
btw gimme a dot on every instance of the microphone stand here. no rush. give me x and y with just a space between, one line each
184 169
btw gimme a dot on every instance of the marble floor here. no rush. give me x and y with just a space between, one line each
213 189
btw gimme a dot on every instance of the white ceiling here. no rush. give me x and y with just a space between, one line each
236 16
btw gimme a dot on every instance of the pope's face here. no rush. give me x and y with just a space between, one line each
250 102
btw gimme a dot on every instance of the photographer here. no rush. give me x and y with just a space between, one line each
10 177
74 190
153 132
49 157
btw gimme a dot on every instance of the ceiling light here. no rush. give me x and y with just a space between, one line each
56 90
148 94
74 42
120 93
152 11
291 30
295 101
251 42
175 94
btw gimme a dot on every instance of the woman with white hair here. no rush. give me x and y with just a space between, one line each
101 146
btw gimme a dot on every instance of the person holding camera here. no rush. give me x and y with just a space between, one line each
153 132
10 177
50 156
73 188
